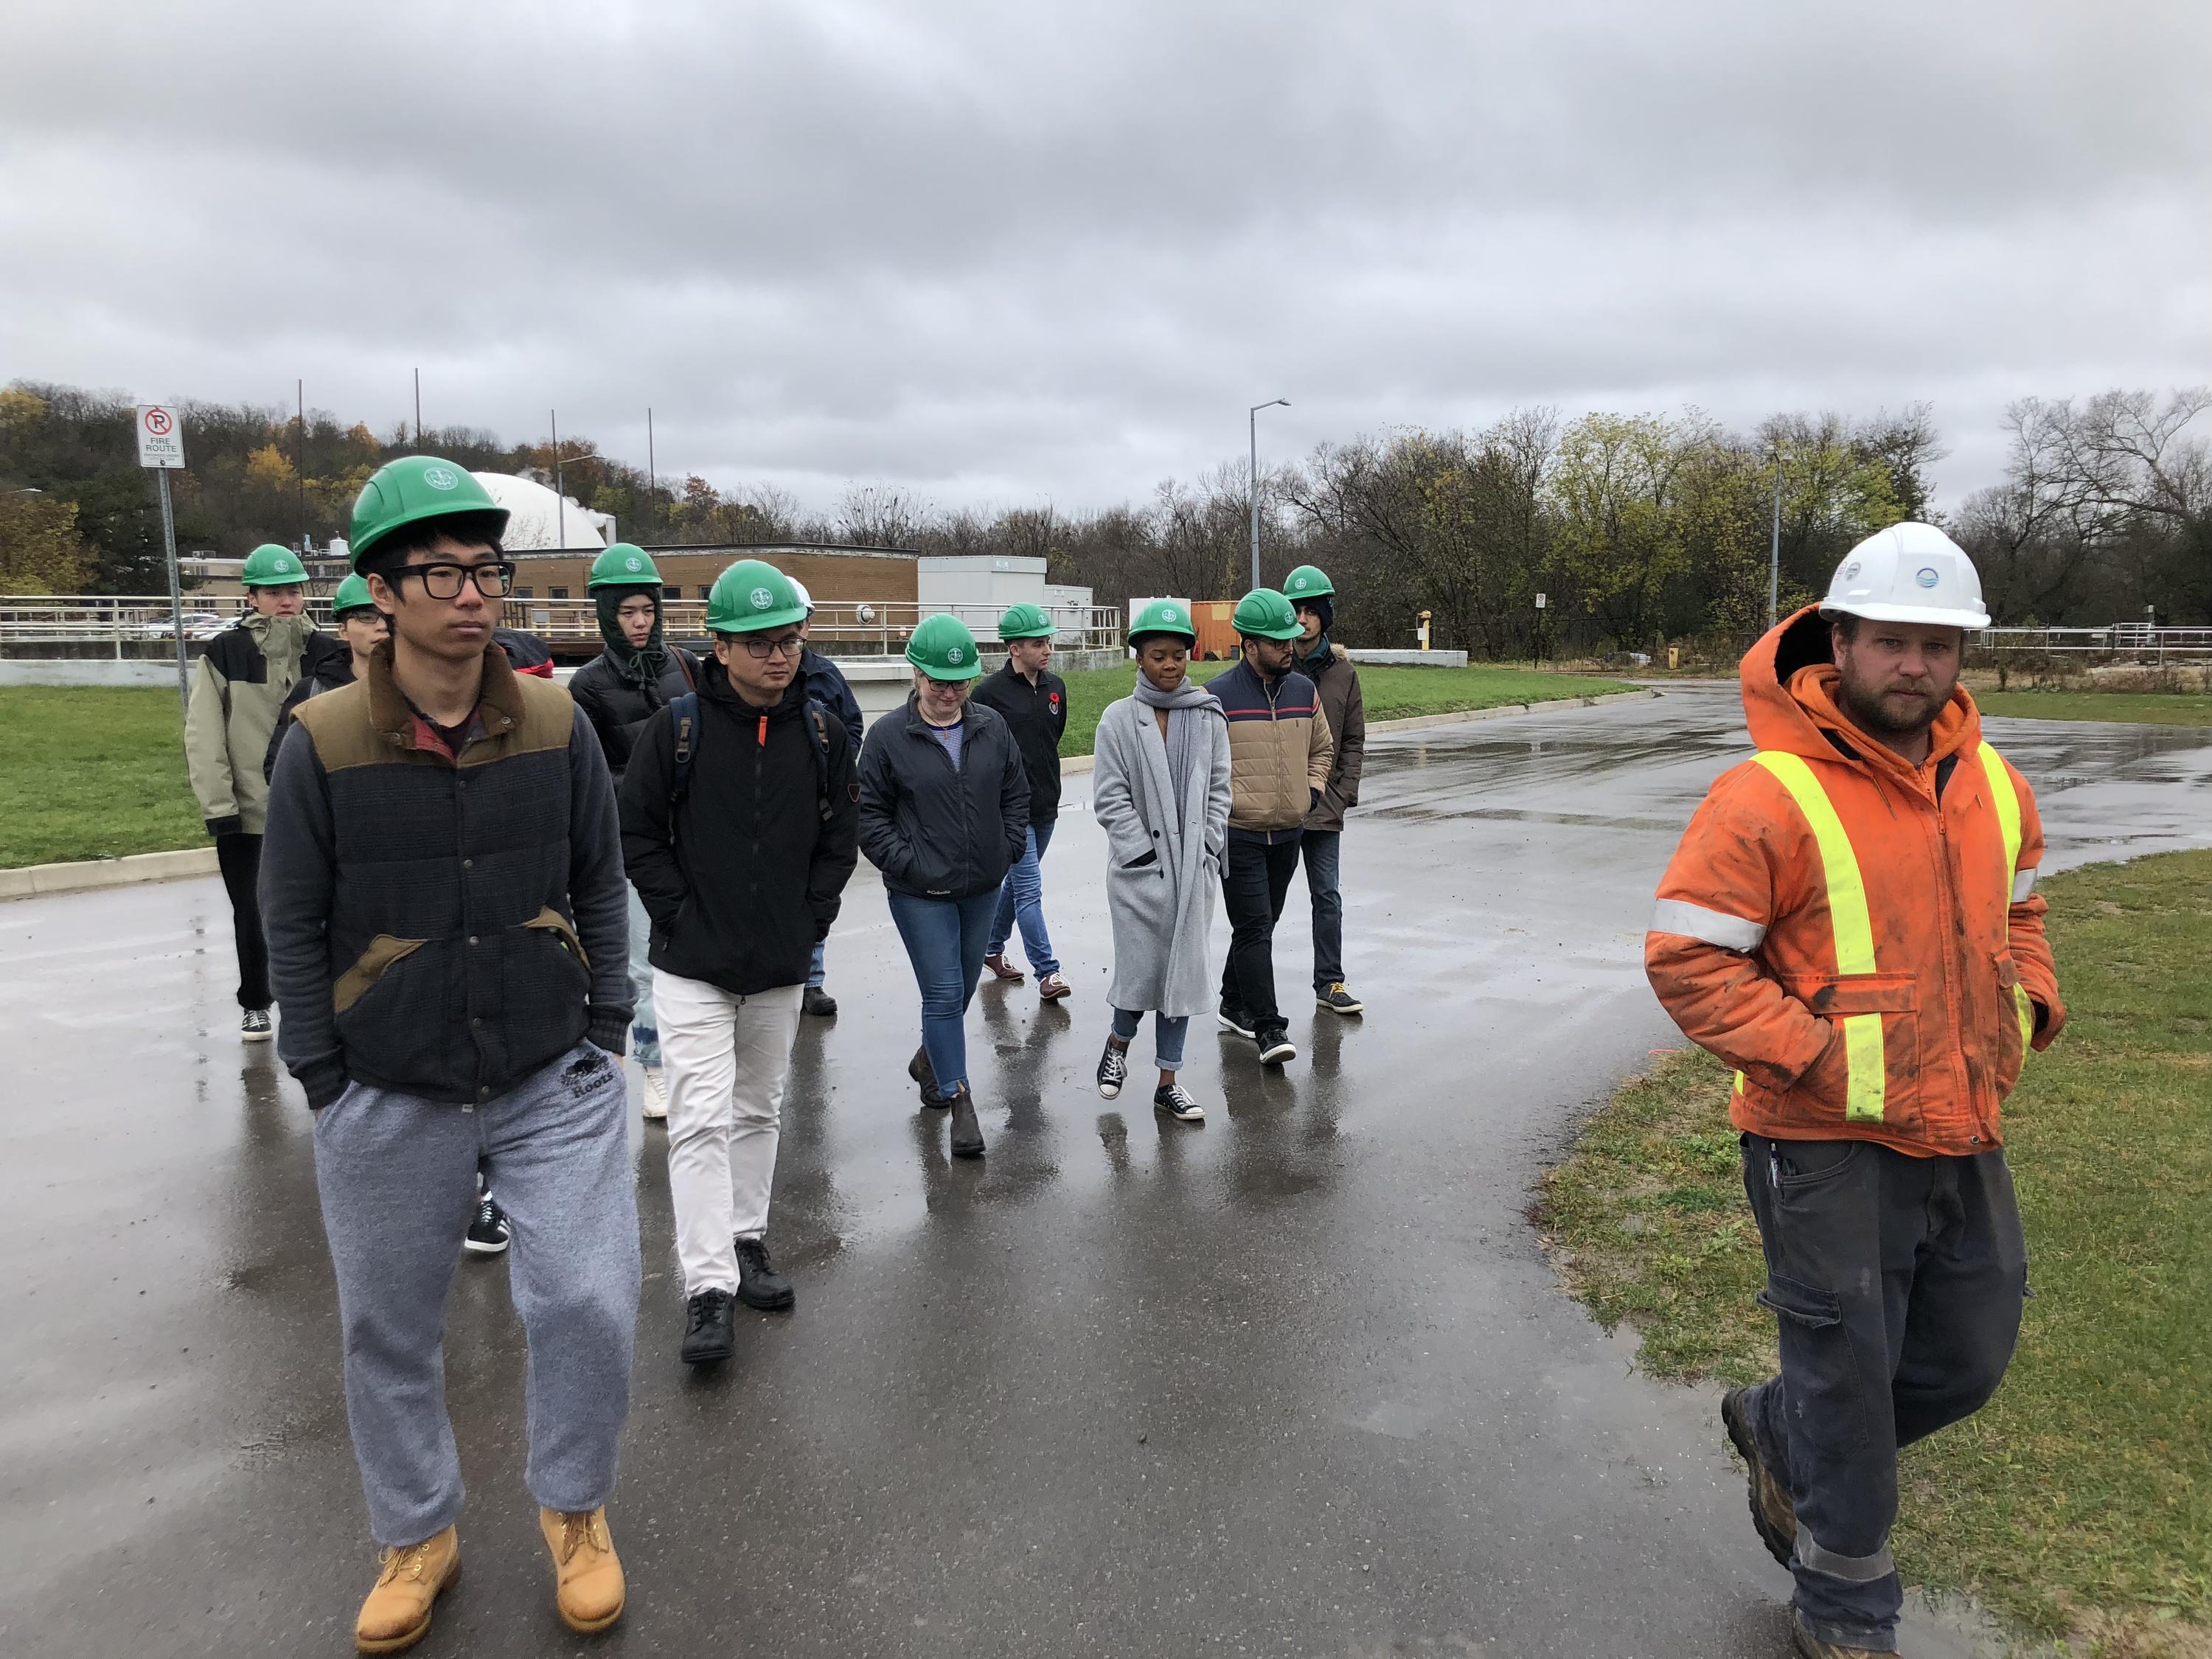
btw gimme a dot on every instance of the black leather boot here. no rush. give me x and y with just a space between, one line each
966 1133
919 1069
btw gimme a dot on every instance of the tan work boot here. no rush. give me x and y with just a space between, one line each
1771 1510
587 1578
1810 1646
397 1614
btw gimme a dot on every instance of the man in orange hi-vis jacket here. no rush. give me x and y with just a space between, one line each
1851 922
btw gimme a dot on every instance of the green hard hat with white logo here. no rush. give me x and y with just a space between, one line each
1264 614
414 489
1307 583
271 566
943 649
1025 622
750 595
1165 616
624 565
352 595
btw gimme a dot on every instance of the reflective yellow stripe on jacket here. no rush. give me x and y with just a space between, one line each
1851 925
2006 799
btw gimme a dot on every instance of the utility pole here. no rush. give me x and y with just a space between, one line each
1774 552
418 409
299 391
652 473
1253 419
561 508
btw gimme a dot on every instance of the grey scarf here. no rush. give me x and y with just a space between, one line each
1188 747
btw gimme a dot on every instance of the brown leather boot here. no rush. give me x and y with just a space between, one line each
919 1069
397 1614
1811 1647
1771 1510
587 1577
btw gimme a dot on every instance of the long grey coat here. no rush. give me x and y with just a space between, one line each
1161 911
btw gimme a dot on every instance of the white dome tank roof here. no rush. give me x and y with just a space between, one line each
538 522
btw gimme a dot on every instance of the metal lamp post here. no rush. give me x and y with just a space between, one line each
1774 552
559 494
1253 419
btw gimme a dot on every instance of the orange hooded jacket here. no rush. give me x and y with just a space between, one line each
1894 1001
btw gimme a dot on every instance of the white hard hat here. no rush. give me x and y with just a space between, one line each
804 598
1908 573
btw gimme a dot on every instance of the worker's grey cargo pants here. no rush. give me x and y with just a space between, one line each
1897 1282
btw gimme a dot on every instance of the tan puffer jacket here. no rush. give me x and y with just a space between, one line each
1279 751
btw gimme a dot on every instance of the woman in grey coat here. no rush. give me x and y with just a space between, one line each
1160 791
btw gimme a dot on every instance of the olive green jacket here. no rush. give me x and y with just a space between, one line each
237 687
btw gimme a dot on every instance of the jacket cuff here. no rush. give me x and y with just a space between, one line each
230 826
610 1029
324 1082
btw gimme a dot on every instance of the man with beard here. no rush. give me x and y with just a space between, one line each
1851 922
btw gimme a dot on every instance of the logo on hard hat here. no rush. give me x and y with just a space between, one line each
1850 569
633 562
441 477
763 598
953 653
1301 583
1926 576
1170 613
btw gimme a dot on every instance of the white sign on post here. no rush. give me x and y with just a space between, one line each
161 438
1540 602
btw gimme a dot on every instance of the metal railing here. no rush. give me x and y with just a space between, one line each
2133 641
845 627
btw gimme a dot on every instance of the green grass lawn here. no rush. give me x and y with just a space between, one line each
2143 708
1391 693
90 774
2082 1497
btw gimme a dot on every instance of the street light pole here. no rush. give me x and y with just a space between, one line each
1252 416
1774 552
560 498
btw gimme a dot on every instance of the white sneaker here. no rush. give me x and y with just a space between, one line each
656 1094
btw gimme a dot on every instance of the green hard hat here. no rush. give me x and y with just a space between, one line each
1307 583
1025 622
1264 614
624 565
943 649
411 490
271 566
352 595
750 595
1165 616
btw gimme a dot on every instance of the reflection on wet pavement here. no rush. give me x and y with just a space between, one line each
1294 1381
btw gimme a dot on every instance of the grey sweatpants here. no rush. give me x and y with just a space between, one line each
398 1176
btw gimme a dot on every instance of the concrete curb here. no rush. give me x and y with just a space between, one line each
78 876
37 879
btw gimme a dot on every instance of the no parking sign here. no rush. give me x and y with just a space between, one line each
161 438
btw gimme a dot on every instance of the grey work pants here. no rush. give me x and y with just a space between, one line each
398 1176
1897 1283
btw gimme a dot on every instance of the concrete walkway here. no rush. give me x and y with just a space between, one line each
1298 1381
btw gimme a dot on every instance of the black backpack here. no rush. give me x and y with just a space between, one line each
685 709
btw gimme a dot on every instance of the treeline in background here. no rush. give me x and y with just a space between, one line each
1640 530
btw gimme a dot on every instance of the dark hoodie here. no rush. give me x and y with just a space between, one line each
624 686
745 876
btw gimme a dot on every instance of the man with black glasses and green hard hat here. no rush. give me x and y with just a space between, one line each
442 889
238 687
1329 665
636 676
740 827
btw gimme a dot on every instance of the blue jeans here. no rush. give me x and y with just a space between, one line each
945 942
1167 1035
1022 897
644 1033
1321 849
814 970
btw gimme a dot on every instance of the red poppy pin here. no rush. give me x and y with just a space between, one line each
1053 698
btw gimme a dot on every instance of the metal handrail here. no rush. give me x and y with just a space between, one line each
2136 640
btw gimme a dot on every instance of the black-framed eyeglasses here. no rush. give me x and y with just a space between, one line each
444 581
758 648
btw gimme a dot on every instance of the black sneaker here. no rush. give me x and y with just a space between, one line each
1176 1101
818 1003
254 1025
488 1232
759 1284
710 1332
1113 1070
1275 1046
1338 1000
1234 1019
919 1069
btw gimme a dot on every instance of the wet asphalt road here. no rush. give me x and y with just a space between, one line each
1298 1381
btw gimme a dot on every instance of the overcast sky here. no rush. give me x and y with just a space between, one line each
1053 250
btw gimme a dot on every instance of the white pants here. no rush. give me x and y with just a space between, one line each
726 1058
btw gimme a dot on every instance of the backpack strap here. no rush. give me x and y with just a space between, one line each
685 711
818 718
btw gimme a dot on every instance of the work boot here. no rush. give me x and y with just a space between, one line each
1810 1646
759 1284
588 1576
966 1133
920 1071
1772 1511
1000 968
1052 988
656 1095
397 1614
254 1025
710 1332
817 1002
1338 1000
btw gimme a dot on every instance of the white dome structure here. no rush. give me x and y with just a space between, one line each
539 521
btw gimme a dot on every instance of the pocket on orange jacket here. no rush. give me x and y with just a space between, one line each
2015 1023
1847 1085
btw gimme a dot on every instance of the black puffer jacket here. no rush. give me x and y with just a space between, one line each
618 707
934 832
1038 715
